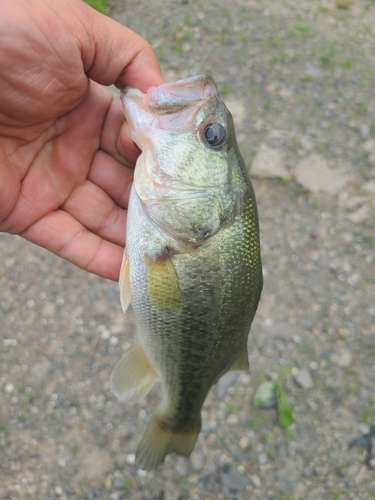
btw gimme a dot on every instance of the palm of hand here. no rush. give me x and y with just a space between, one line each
64 177
66 189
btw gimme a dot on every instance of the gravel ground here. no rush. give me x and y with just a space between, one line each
298 77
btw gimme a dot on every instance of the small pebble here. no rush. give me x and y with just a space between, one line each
232 481
343 358
225 382
196 460
130 459
365 429
265 396
121 461
262 458
256 481
48 309
10 342
181 469
244 442
105 335
232 419
364 131
171 491
299 491
9 388
118 482
314 232
302 378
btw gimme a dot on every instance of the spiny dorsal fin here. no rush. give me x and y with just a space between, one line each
133 376
124 282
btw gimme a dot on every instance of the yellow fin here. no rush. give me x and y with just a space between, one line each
242 362
124 282
159 440
133 376
163 283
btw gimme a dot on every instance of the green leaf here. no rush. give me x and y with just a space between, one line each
284 409
99 5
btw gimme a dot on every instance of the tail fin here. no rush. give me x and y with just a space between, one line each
159 440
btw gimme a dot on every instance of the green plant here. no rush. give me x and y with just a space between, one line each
184 481
99 5
368 415
300 31
224 88
232 407
327 55
20 386
285 411
257 421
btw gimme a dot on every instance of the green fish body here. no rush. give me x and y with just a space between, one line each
192 268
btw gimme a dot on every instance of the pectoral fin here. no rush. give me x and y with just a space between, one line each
163 283
242 362
124 282
133 376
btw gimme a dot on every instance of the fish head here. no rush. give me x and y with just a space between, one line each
187 138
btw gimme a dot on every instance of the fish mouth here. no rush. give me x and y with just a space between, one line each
170 98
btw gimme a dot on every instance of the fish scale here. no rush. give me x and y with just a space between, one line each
192 267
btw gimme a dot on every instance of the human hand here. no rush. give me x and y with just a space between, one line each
66 157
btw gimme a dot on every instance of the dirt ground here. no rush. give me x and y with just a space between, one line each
299 79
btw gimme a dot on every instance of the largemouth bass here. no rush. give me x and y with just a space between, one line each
192 268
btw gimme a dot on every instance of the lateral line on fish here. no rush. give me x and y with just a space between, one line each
292 134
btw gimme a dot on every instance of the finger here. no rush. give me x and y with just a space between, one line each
10 185
97 212
62 163
114 54
112 177
60 233
123 148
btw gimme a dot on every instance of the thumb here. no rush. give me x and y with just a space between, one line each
114 54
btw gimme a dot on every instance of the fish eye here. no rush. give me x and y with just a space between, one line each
215 135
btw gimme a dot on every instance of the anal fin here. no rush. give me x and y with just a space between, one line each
133 376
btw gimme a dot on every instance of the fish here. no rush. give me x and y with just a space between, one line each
192 266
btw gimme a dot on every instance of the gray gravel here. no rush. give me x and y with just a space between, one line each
299 78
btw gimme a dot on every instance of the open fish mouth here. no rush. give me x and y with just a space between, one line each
173 97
